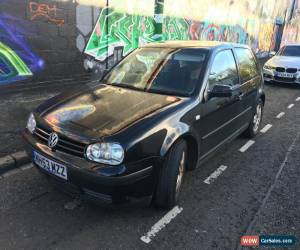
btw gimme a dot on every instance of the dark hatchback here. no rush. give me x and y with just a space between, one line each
159 112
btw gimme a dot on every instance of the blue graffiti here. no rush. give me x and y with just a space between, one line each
14 36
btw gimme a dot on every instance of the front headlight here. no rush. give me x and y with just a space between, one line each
269 67
108 153
31 123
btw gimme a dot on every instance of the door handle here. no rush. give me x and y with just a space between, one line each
241 96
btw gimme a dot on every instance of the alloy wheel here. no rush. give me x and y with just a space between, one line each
180 174
257 117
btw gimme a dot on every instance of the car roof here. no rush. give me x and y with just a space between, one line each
193 44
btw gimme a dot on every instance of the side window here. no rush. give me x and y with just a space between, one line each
247 64
223 70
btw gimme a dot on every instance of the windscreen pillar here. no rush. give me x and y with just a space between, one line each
158 19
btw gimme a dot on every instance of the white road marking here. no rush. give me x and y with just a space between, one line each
298 99
246 146
215 174
37 99
163 222
11 172
280 115
266 128
16 170
28 166
28 100
291 105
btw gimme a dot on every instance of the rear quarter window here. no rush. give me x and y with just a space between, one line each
247 64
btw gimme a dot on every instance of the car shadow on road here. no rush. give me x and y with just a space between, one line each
282 85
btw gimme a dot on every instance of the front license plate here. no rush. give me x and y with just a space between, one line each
50 166
286 75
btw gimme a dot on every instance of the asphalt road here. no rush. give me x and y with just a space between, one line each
258 193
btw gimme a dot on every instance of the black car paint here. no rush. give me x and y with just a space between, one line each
146 129
113 109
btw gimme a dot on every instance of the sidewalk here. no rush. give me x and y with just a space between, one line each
15 106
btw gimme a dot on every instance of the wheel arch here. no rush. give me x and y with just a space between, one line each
263 97
192 149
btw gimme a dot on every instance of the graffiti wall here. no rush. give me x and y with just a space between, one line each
17 60
47 40
251 22
292 29
124 25
43 40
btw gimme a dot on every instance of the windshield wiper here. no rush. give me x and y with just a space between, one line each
127 86
155 91
167 92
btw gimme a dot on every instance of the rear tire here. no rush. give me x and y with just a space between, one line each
171 175
256 120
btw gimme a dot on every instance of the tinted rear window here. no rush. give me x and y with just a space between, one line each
247 64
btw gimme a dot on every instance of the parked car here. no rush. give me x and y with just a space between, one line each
159 112
284 67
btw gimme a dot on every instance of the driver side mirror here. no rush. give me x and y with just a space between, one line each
220 90
272 53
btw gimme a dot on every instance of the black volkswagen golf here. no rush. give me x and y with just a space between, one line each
159 112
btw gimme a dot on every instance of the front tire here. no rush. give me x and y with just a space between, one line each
255 123
171 176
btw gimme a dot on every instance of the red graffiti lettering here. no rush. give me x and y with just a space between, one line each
46 11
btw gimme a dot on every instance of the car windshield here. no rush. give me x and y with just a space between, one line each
290 51
160 70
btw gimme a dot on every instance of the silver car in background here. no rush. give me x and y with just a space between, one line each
284 67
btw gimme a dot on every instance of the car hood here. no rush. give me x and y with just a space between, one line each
103 110
284 61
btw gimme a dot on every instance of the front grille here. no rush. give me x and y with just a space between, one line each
280 69
64 144
284 79
267 75
288 70
291 70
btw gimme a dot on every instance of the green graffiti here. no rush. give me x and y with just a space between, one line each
176 29
11 64
114 29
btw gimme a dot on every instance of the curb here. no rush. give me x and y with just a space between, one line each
13 161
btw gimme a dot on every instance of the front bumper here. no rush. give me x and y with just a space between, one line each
92 181
271 76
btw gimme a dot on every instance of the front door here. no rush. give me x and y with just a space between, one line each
219 115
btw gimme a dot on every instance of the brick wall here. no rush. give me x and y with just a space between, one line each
42 36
